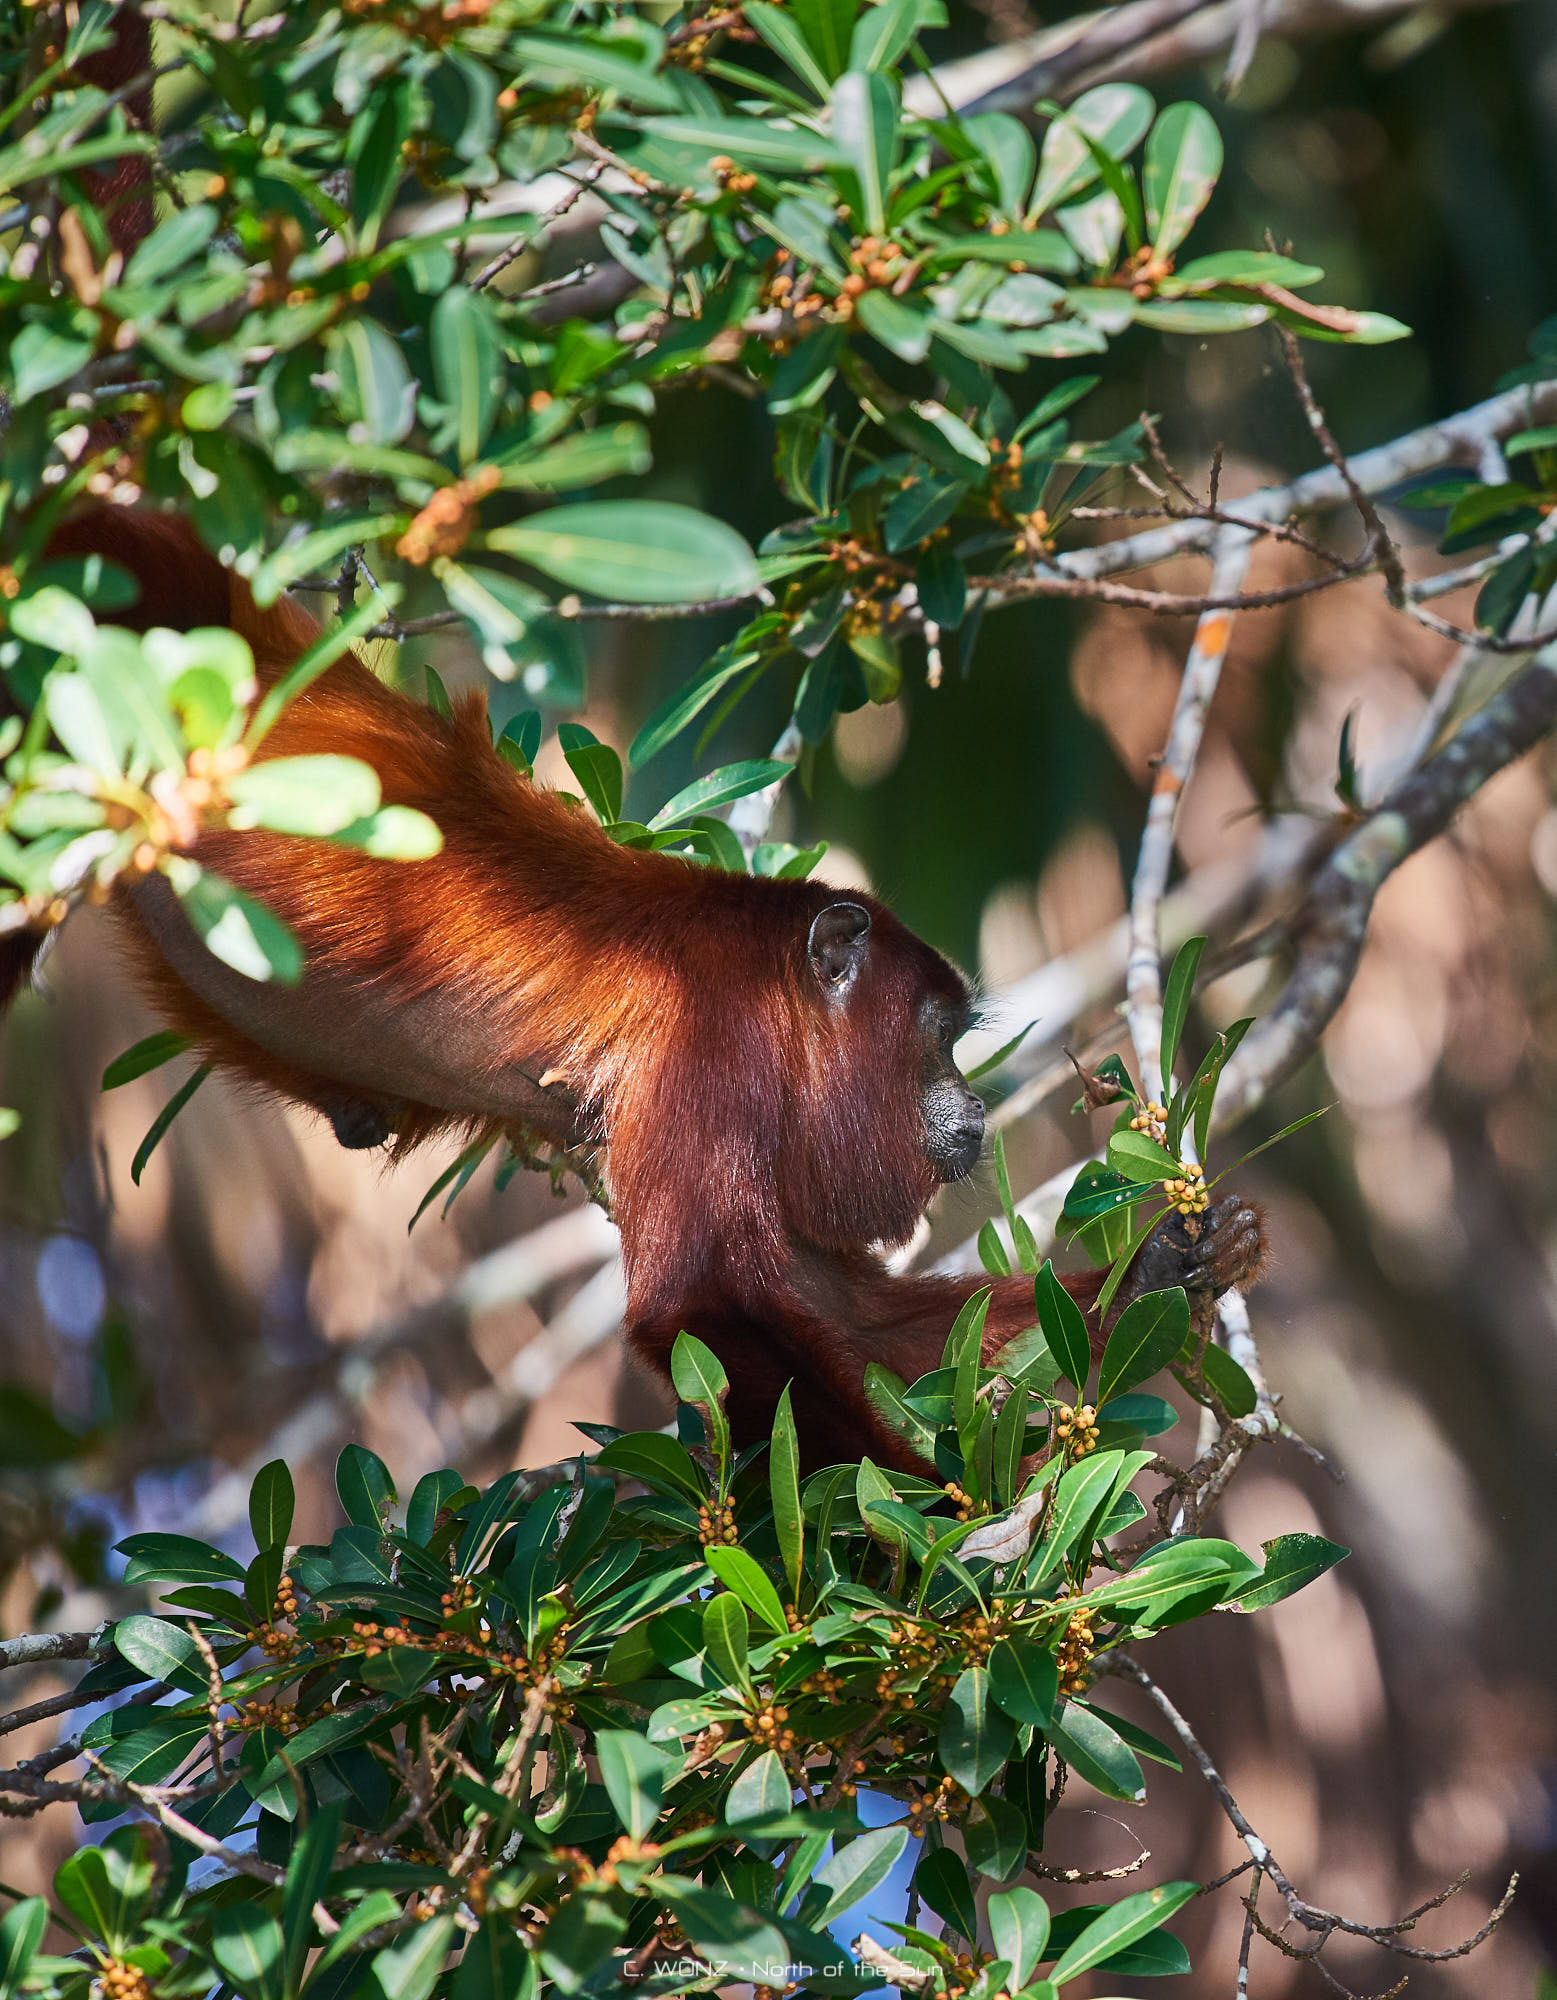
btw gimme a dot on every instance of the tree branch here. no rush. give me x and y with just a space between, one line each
1333 921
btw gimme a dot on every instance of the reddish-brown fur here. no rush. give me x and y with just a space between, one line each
758 1141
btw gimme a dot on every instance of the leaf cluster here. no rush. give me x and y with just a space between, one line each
610 1734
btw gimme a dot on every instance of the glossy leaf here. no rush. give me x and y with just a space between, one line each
975 1736
1182 161
1147 1335
643 551
1064 1329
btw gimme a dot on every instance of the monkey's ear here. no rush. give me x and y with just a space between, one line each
840 937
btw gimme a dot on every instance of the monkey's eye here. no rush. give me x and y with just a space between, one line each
948 1037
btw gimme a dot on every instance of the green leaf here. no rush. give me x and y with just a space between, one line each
156 1131
1115 115
367 1492
1199 315
77 719
699 1379
784 1485
468 365
146 1055
241 932
1175 1002
1228 1382
580 1938
942 584
107 1888
995 1835
1137 1158
690 699
883 33
308 1871
633 1773
725 1639
761 1791
1147 1335
393 833
746 1579
597 768
1182 161
917 509
161 1651
1002 1054
865 131
1019 1926
1082 1492
172 244
976 1737
1131 1918
828 28
1025 1680
1097 1753
992 1252
1065 1329
857 1867
1006 147
751 142
376 394
731 781
324 651
660 1462
941 1880
21 1932
1291 1563
1242 267
906 331
643 551
162 1558
408 1969
783 36
306 795
247 1946
42 357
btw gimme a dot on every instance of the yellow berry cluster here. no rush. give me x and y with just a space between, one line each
942 1799
276 1715
1076 1429
767 1725
120 1981
458 1597
862 616
731 178
276 1645
443 526
1188 1191
1152 1120
286 1598
716 1525
1075 1654
960 1500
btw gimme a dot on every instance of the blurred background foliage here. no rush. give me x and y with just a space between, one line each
259 1293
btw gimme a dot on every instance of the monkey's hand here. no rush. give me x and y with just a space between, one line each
1206 1254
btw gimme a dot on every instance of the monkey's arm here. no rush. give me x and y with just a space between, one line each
850 1312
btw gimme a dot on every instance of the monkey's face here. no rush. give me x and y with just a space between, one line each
953 1114
893 1115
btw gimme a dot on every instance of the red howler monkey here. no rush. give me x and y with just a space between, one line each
768 1064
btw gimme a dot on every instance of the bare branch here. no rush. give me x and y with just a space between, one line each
32 1647
1334 919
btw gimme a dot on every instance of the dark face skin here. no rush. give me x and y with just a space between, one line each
953 1115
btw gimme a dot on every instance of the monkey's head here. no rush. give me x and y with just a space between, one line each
889 1115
